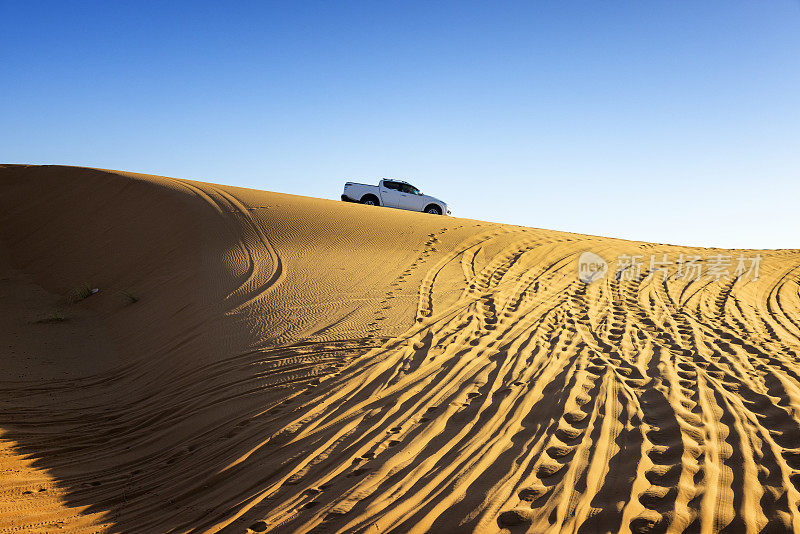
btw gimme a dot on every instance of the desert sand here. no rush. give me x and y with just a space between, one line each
261 362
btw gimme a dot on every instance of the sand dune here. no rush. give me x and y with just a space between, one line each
301 365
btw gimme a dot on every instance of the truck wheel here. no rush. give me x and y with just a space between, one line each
433 210
370 200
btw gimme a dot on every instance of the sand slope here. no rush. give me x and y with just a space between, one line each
303 365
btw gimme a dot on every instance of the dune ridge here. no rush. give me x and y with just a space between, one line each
302 365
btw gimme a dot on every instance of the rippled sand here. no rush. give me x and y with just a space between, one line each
262 362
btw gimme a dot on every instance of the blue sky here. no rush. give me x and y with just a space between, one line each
674 122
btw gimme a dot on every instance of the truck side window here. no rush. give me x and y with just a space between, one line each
392 185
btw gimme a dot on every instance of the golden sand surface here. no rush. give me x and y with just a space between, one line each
261 362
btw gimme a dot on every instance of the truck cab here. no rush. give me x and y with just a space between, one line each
398 194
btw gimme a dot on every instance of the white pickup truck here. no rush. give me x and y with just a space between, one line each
393 194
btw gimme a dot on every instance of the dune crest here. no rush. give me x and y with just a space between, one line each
301 365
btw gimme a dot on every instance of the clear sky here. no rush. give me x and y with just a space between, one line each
672 121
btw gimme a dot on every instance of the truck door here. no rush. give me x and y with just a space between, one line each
410 198
390 193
